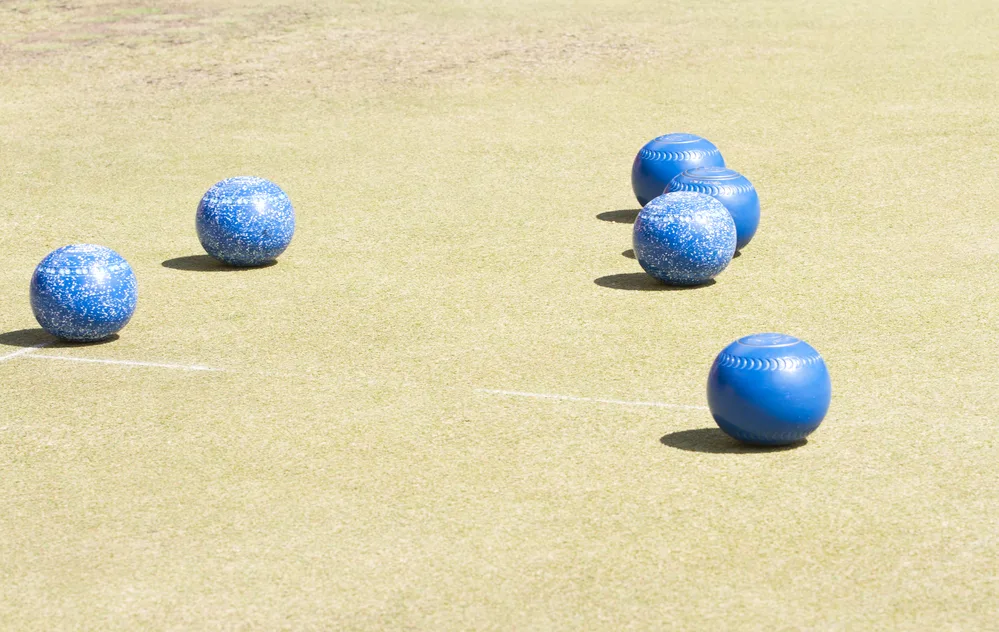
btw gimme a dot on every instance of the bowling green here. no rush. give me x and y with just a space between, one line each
456 402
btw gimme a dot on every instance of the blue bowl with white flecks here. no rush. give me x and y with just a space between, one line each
245 221
83 293
684 238
729 187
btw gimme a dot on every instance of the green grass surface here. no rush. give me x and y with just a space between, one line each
448 161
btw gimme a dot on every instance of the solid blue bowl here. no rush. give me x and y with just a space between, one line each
665 157
245 221
731 189
769 389
684 238
83 293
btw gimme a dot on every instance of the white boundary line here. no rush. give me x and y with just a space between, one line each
593 400
158 365
25 351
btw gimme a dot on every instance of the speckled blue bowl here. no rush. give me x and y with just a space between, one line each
729 187
83 293
665 157
684 238
769 389
245 221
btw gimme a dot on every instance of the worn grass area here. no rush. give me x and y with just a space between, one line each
348 466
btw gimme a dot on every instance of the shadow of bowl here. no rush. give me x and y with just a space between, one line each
623 216
205 263
639 281
37 336
714 441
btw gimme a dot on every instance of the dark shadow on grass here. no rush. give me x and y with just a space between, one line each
623 216
37 336
714 441
642 282
204 263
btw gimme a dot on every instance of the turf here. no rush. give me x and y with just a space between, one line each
460 172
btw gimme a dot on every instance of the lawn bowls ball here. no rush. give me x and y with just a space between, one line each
666 157
684 238
731 189
245 221
769 389
83 293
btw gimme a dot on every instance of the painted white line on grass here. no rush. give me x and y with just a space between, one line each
157 365
594 400
25 351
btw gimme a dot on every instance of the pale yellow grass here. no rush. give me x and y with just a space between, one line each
448 161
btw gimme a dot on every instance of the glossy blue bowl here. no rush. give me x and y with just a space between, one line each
83 293
769 389
684 238
731 189
245 221
665 157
